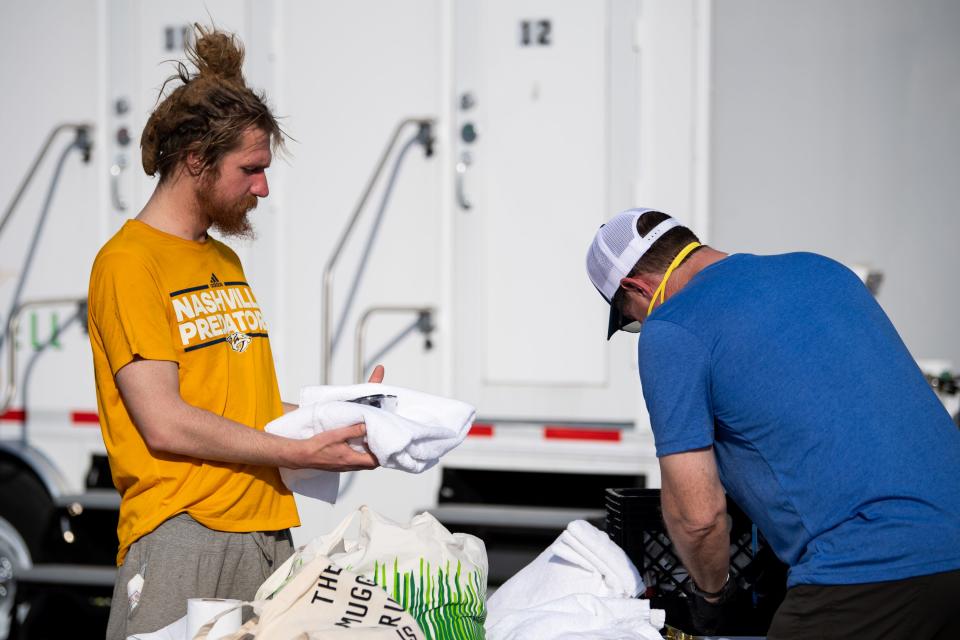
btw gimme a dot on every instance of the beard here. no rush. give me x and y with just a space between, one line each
229 217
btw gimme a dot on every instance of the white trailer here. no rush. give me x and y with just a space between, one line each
542 118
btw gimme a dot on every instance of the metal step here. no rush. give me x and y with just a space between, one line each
512 516
100 499
67 574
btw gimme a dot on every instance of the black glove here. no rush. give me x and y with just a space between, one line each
705 616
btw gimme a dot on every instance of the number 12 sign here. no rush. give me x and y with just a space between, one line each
536 33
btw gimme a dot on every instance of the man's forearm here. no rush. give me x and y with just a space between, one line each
150 389
197 433
704 549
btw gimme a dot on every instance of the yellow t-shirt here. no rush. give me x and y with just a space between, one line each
161 297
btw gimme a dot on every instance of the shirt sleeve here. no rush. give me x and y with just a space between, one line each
675 375
129 311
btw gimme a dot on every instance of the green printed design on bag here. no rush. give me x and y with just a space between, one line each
447 607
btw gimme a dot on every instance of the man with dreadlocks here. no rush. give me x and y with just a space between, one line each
184 372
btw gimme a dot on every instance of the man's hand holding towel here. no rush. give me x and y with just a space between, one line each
413 438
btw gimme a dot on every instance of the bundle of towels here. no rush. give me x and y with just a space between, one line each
582 587
412 437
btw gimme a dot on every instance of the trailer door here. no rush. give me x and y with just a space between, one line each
546 140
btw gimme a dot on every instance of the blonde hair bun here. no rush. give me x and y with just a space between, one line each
216 53
209 110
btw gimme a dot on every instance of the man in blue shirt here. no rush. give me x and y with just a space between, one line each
780 380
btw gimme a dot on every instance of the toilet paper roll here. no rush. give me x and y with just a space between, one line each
200 611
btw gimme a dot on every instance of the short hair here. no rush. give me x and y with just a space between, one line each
657 259
208 112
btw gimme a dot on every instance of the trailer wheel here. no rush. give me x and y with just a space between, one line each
26 506
14 556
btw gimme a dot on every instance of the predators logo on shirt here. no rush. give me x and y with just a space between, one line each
238 341
210 314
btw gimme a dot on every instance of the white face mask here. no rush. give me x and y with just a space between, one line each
633 327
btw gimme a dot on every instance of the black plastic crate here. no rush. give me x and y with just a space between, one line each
635 522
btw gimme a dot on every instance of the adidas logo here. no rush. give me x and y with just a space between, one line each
214 281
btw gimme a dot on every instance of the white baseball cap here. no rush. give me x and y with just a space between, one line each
615 250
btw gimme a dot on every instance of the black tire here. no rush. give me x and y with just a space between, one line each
25 504
14 557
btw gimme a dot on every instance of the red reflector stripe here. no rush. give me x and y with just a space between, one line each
84 417
482 430
567 433
14 415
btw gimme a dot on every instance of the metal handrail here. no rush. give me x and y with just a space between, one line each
13 324
36 164
326 329
360 335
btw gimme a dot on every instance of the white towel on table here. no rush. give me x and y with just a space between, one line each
580 616
582 586
423 428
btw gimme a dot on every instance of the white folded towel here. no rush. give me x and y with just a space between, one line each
582 586
413 438
580 617
582 560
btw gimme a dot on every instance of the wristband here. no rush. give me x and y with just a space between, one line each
693 589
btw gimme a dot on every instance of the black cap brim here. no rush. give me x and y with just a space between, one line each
617 321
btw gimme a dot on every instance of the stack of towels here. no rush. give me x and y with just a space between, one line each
582 587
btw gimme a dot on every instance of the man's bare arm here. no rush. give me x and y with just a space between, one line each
695 512
151 392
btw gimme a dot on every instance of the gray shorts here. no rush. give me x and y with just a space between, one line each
183 559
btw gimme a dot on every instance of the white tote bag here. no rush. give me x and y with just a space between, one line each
437 576
326 602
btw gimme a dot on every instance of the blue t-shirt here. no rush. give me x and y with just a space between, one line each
825 431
